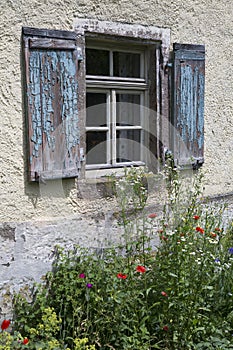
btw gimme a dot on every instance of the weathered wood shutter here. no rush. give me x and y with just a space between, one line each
188 104
51 65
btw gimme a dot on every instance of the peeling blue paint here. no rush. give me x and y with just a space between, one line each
190 116
200 110
52 96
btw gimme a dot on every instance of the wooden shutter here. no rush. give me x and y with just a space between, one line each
188 104
51 70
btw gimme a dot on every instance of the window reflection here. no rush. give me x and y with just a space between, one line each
97 62
126 64
128 145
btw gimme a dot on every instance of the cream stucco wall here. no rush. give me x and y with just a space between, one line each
34 218
208 22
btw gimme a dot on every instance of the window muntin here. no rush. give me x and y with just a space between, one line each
115 106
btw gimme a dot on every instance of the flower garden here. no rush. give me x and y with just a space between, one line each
176 296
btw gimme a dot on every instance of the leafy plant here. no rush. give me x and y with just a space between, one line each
41 338
138 296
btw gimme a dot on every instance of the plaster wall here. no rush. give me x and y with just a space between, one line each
35 217
208 22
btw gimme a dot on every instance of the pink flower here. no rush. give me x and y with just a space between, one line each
121 276
152 215
141 269
89 285
165 328
164 294
82 275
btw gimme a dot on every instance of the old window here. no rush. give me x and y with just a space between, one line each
126 94
98 98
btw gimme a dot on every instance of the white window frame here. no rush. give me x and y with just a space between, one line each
112 86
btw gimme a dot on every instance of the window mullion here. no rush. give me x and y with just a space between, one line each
111 63
109 133
113 125
158 119
142 123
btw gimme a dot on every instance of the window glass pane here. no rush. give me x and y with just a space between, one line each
128 145
95 109
96 147
128 109
97 62
126 64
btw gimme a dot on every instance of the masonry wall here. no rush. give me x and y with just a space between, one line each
36 217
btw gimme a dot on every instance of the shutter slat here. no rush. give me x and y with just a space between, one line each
50 33
188 103
44 43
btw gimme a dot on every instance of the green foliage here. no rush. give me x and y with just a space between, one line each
131 190
138 296
43 337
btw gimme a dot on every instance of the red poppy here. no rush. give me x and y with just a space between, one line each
213 235
165 328
164 294
164 238
152 215
5 324
217 229
121 276
25 341
141 269
200 229
196 217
